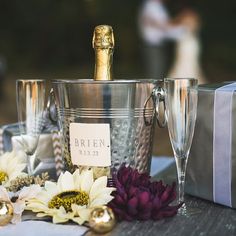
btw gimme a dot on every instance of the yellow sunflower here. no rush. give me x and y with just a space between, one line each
12 165
72 197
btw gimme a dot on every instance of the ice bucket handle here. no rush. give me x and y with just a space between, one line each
51 107
158 97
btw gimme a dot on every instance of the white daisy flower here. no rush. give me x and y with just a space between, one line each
12 165
18 200
72 197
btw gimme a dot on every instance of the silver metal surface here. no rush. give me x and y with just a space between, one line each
119 103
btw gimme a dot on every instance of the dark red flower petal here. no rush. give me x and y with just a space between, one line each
119 200
169 194
132 206
132 191
156 203
136 197
143 199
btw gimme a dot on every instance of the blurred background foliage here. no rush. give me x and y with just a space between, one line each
52 39
54 36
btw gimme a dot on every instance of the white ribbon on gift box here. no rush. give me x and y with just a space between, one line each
222 143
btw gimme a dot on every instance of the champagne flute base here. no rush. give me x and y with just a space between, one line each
188 211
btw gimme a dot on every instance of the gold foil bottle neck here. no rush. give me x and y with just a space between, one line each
103 44
103 37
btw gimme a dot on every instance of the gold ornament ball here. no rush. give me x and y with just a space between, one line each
6 212
102 219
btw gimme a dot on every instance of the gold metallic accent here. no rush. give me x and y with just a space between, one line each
3 177
102 219
6 212
103 37
103 44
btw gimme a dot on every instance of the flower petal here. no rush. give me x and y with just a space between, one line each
103 192
16 218
98 184
84 214
36 207
51 188
78 220
143 199
12 163
29 192
86 180
18 207
77 179
101 201
132 206
65 182
4 194
58 219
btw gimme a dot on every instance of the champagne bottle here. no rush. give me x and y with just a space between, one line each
103 44
88 150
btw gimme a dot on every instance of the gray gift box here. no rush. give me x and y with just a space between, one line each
203 177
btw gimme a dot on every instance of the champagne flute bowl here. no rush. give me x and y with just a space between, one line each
30 95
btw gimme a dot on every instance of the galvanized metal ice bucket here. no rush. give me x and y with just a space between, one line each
128 108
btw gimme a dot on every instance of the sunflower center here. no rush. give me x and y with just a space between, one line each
3 177
67 198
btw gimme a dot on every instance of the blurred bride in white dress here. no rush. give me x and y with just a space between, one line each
187 61
157 29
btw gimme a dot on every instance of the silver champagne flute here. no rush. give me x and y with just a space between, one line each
181 109
30 95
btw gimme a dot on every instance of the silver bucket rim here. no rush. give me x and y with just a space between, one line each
85 81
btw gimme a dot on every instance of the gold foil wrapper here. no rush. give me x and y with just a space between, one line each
103 37
103 44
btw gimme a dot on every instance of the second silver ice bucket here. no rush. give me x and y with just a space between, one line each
125 107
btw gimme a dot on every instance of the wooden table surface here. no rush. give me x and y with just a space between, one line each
212 220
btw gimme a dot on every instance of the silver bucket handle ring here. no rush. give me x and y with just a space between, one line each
51 107
158 95
148 122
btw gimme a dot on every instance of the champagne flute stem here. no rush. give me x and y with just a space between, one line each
181 163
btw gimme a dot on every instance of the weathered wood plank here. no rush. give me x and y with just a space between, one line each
212 220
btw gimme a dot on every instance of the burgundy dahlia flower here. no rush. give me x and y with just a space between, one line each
136 197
